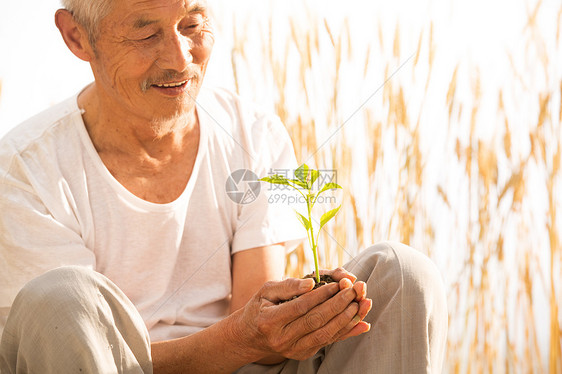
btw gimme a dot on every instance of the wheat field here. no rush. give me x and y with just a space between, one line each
457 155
444 153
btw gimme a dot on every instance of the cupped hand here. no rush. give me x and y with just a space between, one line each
299 328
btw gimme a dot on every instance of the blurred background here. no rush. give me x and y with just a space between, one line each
442 119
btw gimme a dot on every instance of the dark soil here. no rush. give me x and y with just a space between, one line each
324 279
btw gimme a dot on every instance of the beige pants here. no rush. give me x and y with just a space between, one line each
75 320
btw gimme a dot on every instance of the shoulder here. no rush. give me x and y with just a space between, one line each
38 141
35 128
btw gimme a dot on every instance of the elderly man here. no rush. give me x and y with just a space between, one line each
121 251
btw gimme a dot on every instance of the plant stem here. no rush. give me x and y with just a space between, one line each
314 249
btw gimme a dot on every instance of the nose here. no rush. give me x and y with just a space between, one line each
175 53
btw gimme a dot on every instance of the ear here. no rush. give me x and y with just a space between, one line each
74 35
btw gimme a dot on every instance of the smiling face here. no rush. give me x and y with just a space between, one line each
150 58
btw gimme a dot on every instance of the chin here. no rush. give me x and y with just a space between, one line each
166 118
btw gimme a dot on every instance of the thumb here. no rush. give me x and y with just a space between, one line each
285 289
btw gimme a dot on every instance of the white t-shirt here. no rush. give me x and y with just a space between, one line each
59 205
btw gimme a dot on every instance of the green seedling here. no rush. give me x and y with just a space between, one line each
303 184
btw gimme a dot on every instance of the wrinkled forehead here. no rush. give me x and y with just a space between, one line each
127 9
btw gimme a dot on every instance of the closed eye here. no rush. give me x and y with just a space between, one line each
193 23
152 36
192 27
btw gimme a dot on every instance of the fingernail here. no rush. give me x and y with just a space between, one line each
356 319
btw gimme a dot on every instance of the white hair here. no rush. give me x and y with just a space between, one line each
88 13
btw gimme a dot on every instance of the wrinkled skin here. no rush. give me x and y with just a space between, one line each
146 43
299 328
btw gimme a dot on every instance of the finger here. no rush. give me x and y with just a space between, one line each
298 308
364 308
274 321
339 274
329 332
361 328
345 283
321 315
276 291
361 290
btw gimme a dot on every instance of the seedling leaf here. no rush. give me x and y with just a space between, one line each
299 183
302 173
305 222
314 174
328 216
275 179
329 186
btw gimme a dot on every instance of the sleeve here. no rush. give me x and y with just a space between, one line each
270 217
33 239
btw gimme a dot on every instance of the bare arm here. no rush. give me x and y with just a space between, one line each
212 350
252 268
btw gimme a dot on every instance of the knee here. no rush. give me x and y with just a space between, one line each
48 306
399 268
408 298
58 289
417 270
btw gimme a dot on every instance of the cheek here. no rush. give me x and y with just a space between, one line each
126 68
203 46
